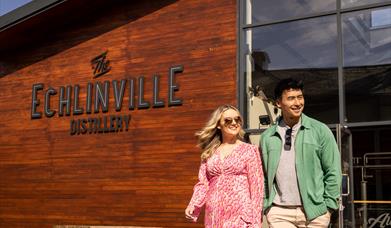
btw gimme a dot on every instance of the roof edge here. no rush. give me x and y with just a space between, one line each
25 12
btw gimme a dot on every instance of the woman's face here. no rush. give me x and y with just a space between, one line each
230 123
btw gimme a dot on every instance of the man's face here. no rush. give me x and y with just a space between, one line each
291 103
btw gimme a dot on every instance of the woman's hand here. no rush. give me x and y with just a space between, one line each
189 213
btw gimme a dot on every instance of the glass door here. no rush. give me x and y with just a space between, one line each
346 217
372 171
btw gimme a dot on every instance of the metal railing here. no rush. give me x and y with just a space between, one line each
381 160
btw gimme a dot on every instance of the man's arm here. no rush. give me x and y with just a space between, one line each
264 157
331 164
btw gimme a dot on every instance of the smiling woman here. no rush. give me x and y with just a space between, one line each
230 176
76 163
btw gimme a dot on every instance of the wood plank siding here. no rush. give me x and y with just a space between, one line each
140 177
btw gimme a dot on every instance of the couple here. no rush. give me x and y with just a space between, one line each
300 160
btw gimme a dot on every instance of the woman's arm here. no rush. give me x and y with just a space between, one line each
256 183
199 194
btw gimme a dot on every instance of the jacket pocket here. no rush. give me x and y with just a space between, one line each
313 172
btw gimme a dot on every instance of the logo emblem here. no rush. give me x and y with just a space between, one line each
100 65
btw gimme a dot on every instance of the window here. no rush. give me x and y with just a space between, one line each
7 6
303 49
367 64
264 11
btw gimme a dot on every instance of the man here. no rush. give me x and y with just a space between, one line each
302 164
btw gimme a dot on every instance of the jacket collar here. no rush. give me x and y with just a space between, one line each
305 123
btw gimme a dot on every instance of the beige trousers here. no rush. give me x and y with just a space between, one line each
286 217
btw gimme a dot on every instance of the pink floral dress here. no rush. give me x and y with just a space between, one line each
231 189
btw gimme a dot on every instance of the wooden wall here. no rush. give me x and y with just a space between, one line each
142 177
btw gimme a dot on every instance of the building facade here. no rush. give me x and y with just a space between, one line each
100 100
342 51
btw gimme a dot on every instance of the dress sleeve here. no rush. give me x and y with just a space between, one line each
256 183
199 193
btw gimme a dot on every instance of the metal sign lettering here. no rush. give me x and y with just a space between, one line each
383 220
97 98
100 65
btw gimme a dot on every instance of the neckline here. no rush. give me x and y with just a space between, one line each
233 150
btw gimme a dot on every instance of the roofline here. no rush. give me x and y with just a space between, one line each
26 12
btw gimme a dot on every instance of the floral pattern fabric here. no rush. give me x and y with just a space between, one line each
231 189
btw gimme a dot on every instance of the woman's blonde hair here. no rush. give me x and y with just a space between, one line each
209 138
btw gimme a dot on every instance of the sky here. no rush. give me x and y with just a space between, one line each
9 5
381 17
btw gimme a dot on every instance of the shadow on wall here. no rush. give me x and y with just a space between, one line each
64 26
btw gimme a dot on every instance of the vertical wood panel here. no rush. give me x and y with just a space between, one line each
142 177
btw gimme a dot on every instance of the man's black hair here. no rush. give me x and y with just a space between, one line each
287 84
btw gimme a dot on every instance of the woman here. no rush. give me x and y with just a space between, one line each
230 177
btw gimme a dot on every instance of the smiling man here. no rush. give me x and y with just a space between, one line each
302 164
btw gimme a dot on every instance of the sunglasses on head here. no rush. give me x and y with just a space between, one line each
288 139
230 120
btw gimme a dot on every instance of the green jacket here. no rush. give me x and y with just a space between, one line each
318 166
